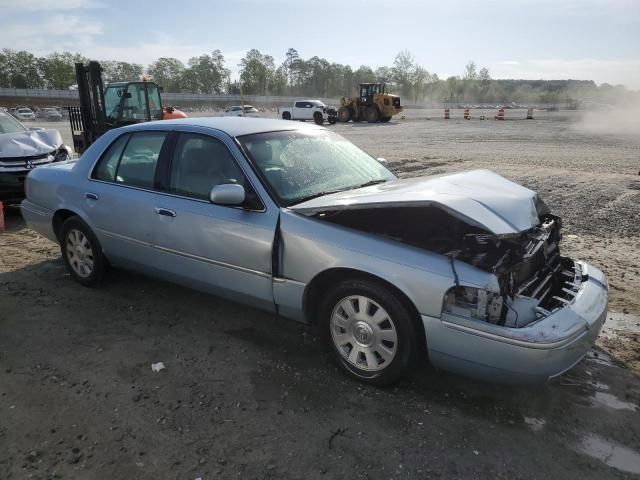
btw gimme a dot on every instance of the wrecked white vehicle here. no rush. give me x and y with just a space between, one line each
21 150
297 220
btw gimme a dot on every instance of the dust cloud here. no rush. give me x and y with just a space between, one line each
621 119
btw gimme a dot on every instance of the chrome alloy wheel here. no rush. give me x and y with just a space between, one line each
363 333
79 253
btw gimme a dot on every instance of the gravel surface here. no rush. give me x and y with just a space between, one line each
246 395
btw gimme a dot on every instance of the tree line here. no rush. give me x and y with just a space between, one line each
296 76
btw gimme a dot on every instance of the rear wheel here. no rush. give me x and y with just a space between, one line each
385 119
373 114
318 118
286 116
344 115
82 252
370 331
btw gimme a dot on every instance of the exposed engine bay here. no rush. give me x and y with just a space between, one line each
534 279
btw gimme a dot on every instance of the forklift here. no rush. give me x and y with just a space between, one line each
373 105
121 103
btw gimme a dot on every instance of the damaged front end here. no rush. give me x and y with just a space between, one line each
534 279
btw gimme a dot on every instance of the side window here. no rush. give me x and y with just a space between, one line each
299 105
108 164
155 105
199 163
137 165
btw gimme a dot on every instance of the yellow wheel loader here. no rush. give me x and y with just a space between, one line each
373 105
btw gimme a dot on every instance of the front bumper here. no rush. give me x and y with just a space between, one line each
535 353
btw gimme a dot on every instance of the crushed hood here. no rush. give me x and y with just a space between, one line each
29 143
478 197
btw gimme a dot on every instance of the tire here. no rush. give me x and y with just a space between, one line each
332 120
82 253
344 114
286 116
318 118
385 119
377 346
372 114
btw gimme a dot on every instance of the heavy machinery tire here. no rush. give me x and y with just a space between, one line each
318 118
372 114
286 116
385 119
344 114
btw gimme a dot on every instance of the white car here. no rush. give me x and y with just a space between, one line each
310 110
239 111
24 114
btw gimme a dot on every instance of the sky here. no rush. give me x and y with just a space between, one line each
543 39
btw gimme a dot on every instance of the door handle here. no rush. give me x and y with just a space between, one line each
166 212
91 196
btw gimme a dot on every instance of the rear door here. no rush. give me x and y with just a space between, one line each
222 249
121 197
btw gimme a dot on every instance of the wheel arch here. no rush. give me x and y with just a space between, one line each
62 214
313 295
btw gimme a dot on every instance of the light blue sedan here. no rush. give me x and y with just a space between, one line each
295 219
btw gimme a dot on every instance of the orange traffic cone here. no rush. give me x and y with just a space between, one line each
467 116
500 115
446 114
530 113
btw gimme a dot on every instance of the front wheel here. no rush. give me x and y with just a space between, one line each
82 252
318 118
332 120
370 331
286 116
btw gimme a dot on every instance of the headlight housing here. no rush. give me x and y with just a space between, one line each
475 303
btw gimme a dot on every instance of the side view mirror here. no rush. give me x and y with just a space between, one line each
227 194
383 161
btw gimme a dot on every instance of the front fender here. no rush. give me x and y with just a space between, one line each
312 246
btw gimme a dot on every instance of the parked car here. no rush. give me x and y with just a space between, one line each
21 150
296 220
24 114
310 110
51 115
239 111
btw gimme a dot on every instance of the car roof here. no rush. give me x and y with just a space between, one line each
233 126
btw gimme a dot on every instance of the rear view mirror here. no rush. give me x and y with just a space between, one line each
227 194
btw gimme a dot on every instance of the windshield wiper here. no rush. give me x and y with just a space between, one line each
368 184
329 192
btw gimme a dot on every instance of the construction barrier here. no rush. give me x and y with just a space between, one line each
1 217
467 115
500 114
446 114
530 113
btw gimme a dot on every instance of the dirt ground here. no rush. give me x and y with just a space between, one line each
246 395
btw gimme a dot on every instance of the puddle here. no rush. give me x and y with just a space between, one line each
611 401
610 453
620 323
535 424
